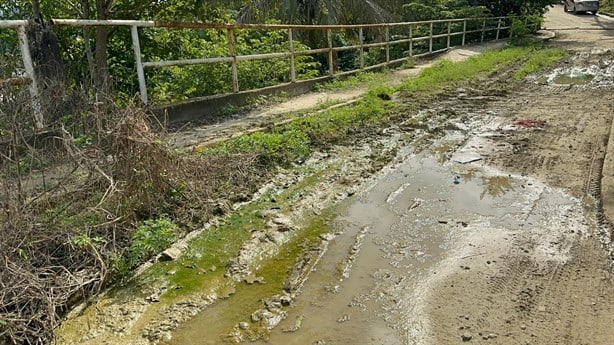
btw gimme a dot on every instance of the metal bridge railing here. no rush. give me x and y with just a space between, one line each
451 28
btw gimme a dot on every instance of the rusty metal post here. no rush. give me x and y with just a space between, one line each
136 45
292 58
411 41
362 49
232 51
33 86
331 66
431 37
387 33
449 27
464 30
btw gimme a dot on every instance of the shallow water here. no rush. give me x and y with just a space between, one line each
388 239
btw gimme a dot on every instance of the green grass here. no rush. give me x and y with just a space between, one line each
359 78
203 266
446 72
539 60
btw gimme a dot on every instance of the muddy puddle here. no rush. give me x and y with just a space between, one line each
594 69
388 240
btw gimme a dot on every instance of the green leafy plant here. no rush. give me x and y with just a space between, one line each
151 237
523 27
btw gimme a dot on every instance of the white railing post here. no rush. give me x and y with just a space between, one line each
431 37
292 62
464 31
232 51
136 46
331 66
33 86
362 49
498 29
483 29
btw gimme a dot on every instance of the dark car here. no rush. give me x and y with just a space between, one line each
583 6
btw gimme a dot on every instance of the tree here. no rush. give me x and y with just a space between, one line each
517 7
323 11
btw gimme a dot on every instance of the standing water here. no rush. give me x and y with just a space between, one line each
388 241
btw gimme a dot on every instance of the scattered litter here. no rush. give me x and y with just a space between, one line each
466 157
416 202
457 179
530 123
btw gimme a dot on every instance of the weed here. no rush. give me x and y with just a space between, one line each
150 238
229 110
445 72
351 81
410 62
273 147
538 60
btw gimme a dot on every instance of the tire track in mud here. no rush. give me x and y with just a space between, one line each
528 299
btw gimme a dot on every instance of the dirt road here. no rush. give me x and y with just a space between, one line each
486 227
516 253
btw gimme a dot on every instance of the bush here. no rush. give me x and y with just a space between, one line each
522 28
151 237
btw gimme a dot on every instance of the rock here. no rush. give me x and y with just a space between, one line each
275 237
344 318
153 298
523 326
243 325
252 278
281 223
286 300
466 157
171 254
278 301
466 336
327 237
268 318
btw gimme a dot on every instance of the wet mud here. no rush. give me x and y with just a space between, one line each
455 225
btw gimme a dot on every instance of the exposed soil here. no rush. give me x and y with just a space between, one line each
427 247
526 297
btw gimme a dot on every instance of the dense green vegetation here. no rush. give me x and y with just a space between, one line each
607 6
102 57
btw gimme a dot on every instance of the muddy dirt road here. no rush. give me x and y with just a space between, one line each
476 220
513 254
